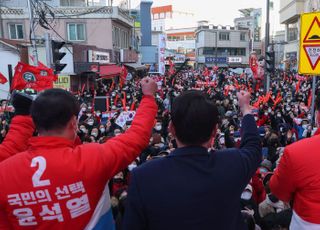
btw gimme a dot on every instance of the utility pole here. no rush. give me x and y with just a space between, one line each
47 40
32 35
267 78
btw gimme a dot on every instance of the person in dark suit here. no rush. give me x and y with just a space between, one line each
193 188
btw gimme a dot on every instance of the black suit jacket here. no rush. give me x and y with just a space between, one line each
192 188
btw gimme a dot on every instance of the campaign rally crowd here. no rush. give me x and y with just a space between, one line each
282 115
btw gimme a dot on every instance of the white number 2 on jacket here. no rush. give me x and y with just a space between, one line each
36 178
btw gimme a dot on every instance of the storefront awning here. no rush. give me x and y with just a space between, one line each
109 71
135 66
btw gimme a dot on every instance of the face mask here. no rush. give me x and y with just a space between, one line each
83 109
90 123
102 130
94 134
279 115
288 109
309 117
222 141
235 102
98 114
266 114
256 118
89 114
269 110
131 167
84 130
113 94
246 195
304 126
158 127
89 108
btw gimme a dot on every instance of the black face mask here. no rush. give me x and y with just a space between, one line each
273 198
118 180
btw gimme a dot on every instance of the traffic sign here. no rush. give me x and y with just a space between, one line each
310 44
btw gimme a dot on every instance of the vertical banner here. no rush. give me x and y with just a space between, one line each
161 51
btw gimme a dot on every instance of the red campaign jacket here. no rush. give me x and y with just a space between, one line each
297 178
20 131
57 185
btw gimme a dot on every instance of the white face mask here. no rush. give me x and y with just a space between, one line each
304 126
98 114
246 195
131 167
158 127
90 123
102 130
84 130
222 141
266 114
94 134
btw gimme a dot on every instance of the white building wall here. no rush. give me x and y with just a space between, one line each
11 57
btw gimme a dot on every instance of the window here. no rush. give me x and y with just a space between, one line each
16 31
242 36
292 32
116 37
224 36
168 15
156 16
162 15
76 32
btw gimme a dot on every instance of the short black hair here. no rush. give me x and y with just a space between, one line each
194 117
53 109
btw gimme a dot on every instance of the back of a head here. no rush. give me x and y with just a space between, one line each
53 109
194 117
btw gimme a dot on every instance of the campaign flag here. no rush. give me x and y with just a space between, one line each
3 79
38 78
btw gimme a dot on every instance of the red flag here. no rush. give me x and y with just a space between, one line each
171 69
310 98
124 101
34 77
107 103
133 105
298 86
123 75
83 87
3 79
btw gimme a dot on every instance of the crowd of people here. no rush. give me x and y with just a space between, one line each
283 116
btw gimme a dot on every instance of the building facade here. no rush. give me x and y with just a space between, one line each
166 18
290 11
278 43
231 44
251 20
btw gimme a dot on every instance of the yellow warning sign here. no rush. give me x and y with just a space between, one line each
310 44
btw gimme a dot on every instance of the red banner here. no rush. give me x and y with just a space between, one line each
3 79
38 78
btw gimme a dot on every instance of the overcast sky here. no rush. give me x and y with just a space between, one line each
220 11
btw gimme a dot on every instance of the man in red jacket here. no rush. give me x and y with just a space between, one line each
57 185
297 179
